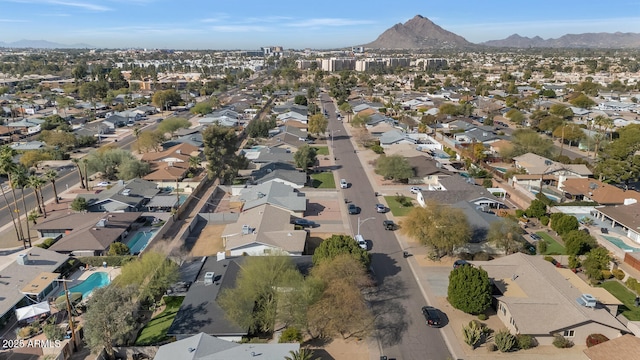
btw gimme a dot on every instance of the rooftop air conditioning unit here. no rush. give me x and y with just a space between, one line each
587 300
246 230
208 277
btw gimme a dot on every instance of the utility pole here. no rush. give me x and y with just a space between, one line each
71 325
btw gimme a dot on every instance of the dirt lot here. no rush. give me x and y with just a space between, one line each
209 242
338 349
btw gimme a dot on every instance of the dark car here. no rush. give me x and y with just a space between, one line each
431 316
389 225
353 209
458 263
304 222
535 237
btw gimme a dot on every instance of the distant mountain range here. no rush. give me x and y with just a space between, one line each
422 33
43 44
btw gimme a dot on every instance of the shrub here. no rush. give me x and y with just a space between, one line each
491 347
53 332
472 334
595 339
110 260
542 247
481 256
544 220
469 289
606 274
562 342
550 259
505 341
377 149
618 274
574 262
519 213
482 317
631 283
525 341
291 335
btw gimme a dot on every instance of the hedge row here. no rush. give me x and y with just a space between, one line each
110 260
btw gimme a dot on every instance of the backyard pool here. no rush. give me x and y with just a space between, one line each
500 169
621 244
140 241
94 281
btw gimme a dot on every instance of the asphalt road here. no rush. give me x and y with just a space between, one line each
400 328
67 178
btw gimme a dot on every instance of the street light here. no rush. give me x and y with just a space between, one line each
362 222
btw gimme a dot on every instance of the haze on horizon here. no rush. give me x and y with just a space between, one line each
199 24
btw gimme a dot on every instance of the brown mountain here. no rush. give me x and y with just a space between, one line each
418 33
616 40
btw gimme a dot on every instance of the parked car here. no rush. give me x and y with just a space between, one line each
535 237
103 184
431 316
343 184
381 208
415 189
361 241
353 209
389 225
304 222
460 262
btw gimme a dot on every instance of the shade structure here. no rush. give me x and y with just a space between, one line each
29 312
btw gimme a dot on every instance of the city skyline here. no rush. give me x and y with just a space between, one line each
252 24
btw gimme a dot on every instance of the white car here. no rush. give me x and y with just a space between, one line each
103 184
343 184
361 241
415 189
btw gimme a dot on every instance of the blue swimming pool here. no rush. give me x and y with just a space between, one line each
621 244
500 169
140 241
94 281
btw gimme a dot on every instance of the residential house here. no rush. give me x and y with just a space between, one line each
115 121
263 230
585 189
292 118
89 234
394 137
276 194
476 202
624 216
533 298
170 165
290 107
26 126
193 139
427 170
477 135
28 276
206 347
130 196
28 145
281 172
499 146
540 166
223 120
625 347
267 155
291 138
200 311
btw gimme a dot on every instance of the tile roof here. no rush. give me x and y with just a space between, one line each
602 193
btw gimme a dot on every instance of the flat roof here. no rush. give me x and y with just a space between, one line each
39 283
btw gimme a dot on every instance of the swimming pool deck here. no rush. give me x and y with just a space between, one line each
82 275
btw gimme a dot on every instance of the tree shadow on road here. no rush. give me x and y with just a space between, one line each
389 312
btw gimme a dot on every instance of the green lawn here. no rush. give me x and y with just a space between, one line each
553 247
323 180
156 330
396 208
629 310
321 150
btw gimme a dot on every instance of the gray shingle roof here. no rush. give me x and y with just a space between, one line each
274 193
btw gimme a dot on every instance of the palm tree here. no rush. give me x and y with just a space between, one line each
51 176
33 216
194 162
13 219
302 354
76 162
85 162
36 182
7 167
19 180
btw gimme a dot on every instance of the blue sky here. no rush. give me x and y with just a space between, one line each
250 24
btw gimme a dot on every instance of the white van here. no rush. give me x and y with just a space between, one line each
361 242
